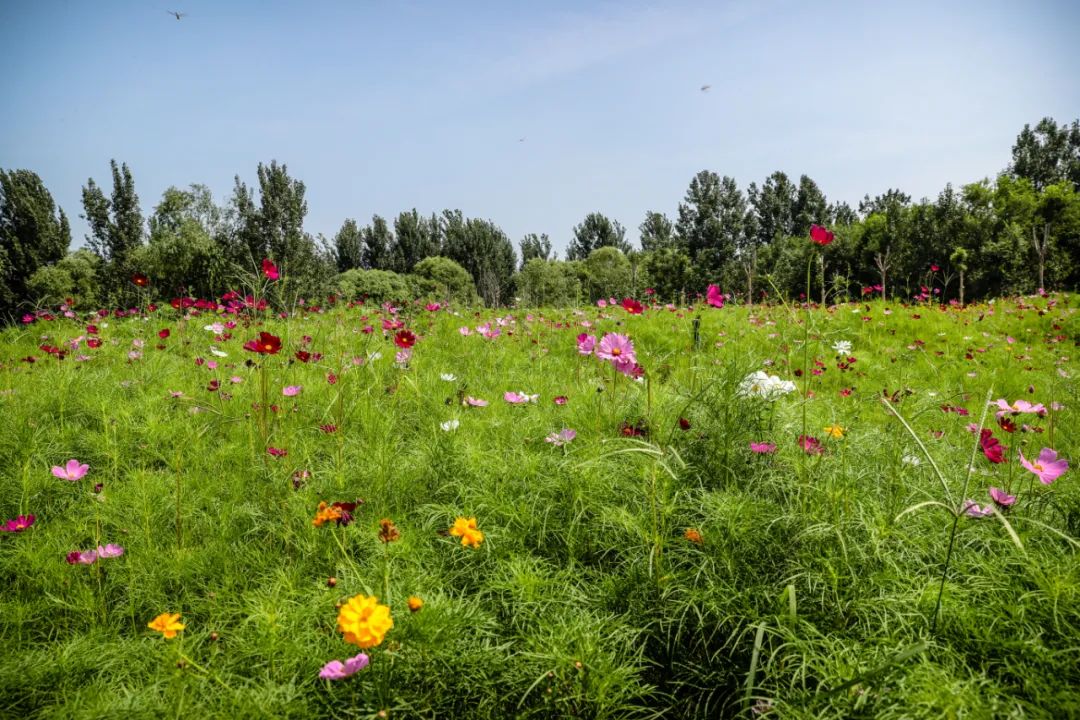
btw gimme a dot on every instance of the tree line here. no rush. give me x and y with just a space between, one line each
1014 234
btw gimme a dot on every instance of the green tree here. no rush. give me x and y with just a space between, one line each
1047 154
116 230
657 232
376 286
33 234
810 207
415 238
548 283
535 246
74 276
484 250
181 257
774 205
349 246
596 231
669 269
377 242
445 279
609 274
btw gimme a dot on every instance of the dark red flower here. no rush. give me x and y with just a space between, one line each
303 355
163 333
140 279
684 424
270 270
632 306
991 447
266 344
811 445
820 235
404 339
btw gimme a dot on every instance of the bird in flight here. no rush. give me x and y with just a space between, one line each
521 139
705 88
176 13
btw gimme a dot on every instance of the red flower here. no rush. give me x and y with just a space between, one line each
404 339
93 343
991 447
269 269
303 356
811 445
163 333
934 268
266 344
684 424
140 279
277 452
632 306
820 235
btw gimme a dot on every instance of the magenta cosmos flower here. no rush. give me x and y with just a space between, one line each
73 471
616 348
1018 407
1002 498
337 670
1048 467
585 344
714 297
972 509
17 525
292 390
762 448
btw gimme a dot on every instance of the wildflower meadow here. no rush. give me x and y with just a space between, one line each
240 508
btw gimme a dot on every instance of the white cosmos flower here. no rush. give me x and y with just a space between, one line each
216 328
218 353
842 347
911 460
763 385
449 425
448 377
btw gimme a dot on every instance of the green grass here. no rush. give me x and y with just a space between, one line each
813 594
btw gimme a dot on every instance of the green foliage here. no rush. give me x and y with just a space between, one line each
484 250
75 276
116 231
377 286
446 280
535 246
596 231
669 270
33 234
608 274
657 232
548 283
1048 154
349 246
414 239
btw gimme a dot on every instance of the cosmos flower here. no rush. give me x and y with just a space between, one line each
1048 467
562 437
338 670
694 536
292 390
22 522
448 377
450 425
270 270
265 344
972 509
475 402
811 445
168 624
820 235
991 447
363 621
1002 498
762 448
842 347
404 339
762 385
586 344
465 528
616 347
632 306
714 297
73 471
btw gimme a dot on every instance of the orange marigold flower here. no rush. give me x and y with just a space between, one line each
326 513
694 536
415 603
168 624
465 528
363 621
388 531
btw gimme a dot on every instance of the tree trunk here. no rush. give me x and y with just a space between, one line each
961 288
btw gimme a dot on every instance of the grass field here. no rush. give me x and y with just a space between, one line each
654 565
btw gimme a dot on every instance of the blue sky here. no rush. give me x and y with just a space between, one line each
385 106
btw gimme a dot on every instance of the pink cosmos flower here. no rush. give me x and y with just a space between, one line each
292 390
762 448
109 551
475 402
972 509
1048 467
616 347
1020 406
518 398
17 525
465 330
270 270
77 557
560 400
586 344
1002 498
811 445
337 670
73 471
562 437
601 303
714 297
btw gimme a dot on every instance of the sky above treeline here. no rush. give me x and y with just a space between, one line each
529 114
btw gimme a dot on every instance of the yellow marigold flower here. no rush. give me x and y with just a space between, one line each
326 513
465 528
693 535
835 431
363 621
168 624
415 603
